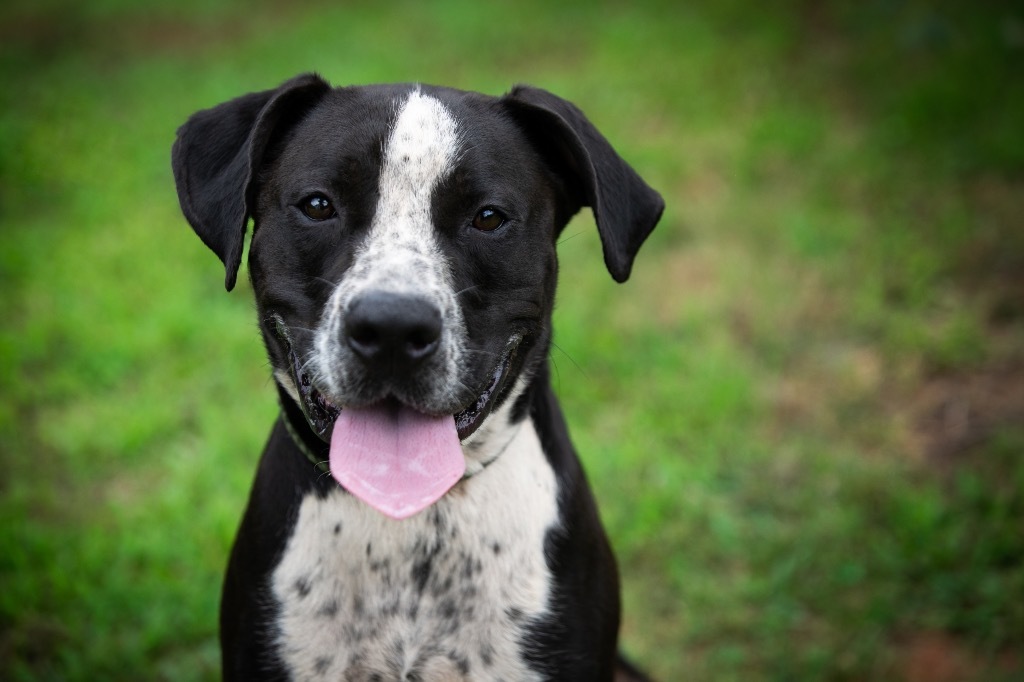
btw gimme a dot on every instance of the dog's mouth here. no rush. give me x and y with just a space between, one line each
393 457
322 414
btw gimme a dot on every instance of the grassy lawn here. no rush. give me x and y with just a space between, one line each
803 415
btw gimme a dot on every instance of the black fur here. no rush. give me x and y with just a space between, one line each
257 155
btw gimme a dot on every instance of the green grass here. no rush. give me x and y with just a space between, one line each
760 409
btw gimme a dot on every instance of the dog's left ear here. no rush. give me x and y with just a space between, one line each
217 155
625 207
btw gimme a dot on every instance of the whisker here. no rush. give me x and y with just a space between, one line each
462 383
572 236
480 351
467 289
304 365
558 374
562 351
323 473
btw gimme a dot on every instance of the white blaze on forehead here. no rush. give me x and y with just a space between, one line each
400 251
420 152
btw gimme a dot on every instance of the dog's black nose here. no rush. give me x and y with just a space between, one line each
392 331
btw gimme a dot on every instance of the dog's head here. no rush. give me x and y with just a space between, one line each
403 258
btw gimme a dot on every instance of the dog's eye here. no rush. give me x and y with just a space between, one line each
488 219
317 207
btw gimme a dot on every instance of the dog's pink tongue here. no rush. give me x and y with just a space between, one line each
395 459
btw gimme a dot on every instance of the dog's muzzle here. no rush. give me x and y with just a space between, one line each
393 456
393 336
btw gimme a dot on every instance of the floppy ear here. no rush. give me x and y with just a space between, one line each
625 207
217 155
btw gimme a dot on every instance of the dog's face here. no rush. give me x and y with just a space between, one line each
403 253
438 214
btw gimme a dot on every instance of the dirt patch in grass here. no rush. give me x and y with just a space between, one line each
955 413
940 657
957 423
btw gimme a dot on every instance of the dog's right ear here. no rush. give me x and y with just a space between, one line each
217 155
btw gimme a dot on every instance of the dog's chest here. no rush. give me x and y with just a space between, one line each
445 595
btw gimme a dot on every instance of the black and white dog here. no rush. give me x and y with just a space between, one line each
419 512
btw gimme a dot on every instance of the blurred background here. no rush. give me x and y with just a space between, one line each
803 416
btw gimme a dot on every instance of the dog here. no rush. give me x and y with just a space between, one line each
419 512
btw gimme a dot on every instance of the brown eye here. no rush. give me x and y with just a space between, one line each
488 219
317 207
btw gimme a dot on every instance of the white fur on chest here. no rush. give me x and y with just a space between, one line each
444 595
